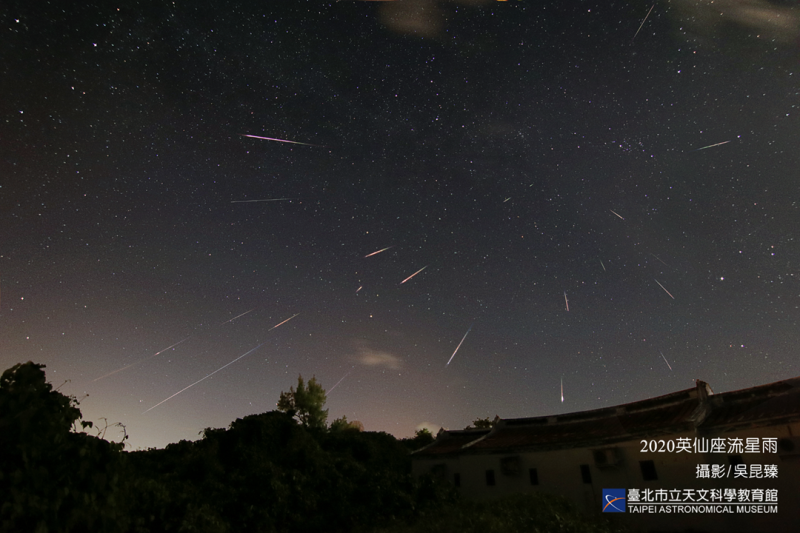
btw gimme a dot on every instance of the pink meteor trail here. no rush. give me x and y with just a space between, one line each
379 251
414 274
277 140
665 290
284 322
205 378
459 345
142 360
566 301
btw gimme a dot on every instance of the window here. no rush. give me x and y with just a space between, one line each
510 466
586 474
490 478
457 480
648 470
606 457
534 476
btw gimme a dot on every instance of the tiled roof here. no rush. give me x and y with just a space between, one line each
451 441
615 426
767 404
681 411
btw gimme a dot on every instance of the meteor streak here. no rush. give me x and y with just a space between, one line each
602 265
566 301
284 322
642 24
459 344
205 378
665 290
337 383
665 360
379 251
142 360
562 390
654 255
277 140
264 200
414 274
711 146
238 316
616 213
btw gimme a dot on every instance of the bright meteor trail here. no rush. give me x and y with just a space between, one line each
146 358
221 368
665 360
379 251
414 274
208 376
459 345
277 140
239 316
337 383
643 21
264 200
711 146
284 322
665 290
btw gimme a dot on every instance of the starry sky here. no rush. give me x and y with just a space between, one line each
603 195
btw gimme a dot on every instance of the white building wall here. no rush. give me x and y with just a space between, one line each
559 472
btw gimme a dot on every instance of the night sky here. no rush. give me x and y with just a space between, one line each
617 210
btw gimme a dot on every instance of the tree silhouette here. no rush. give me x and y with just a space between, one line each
342 424
306 403
52 478
481 423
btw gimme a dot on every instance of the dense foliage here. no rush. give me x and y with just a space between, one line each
269 473
306 403
51 478
265 473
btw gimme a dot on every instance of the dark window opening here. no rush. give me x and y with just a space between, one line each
490 478
586 474
648 470
510 466
534 476
457 480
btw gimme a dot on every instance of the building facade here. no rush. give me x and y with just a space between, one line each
690 460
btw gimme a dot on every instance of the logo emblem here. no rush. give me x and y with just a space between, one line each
613 500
